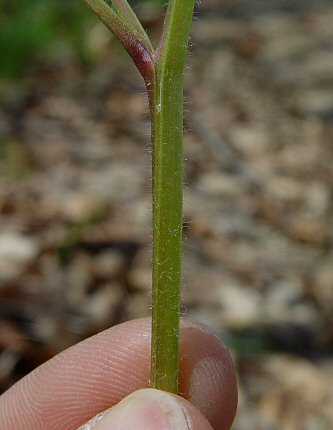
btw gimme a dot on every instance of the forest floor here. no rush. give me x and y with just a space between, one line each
75 205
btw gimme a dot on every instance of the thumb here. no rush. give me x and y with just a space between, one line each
150 409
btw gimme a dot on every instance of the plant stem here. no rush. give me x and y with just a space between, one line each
167 131
130 34
163 72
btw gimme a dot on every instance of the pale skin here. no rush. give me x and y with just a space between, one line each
96 374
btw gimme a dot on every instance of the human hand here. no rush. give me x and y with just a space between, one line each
99 372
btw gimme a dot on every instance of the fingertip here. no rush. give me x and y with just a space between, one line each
207 377
150 409
102 370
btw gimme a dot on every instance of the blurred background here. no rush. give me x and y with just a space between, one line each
75 205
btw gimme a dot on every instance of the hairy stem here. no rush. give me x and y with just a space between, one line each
167 122
163 72
138 48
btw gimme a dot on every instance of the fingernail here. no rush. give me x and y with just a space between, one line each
146 409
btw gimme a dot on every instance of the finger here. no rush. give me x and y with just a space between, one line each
207 375
150 409
99 372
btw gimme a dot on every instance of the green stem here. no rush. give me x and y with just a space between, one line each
139 48
167 122
163 72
